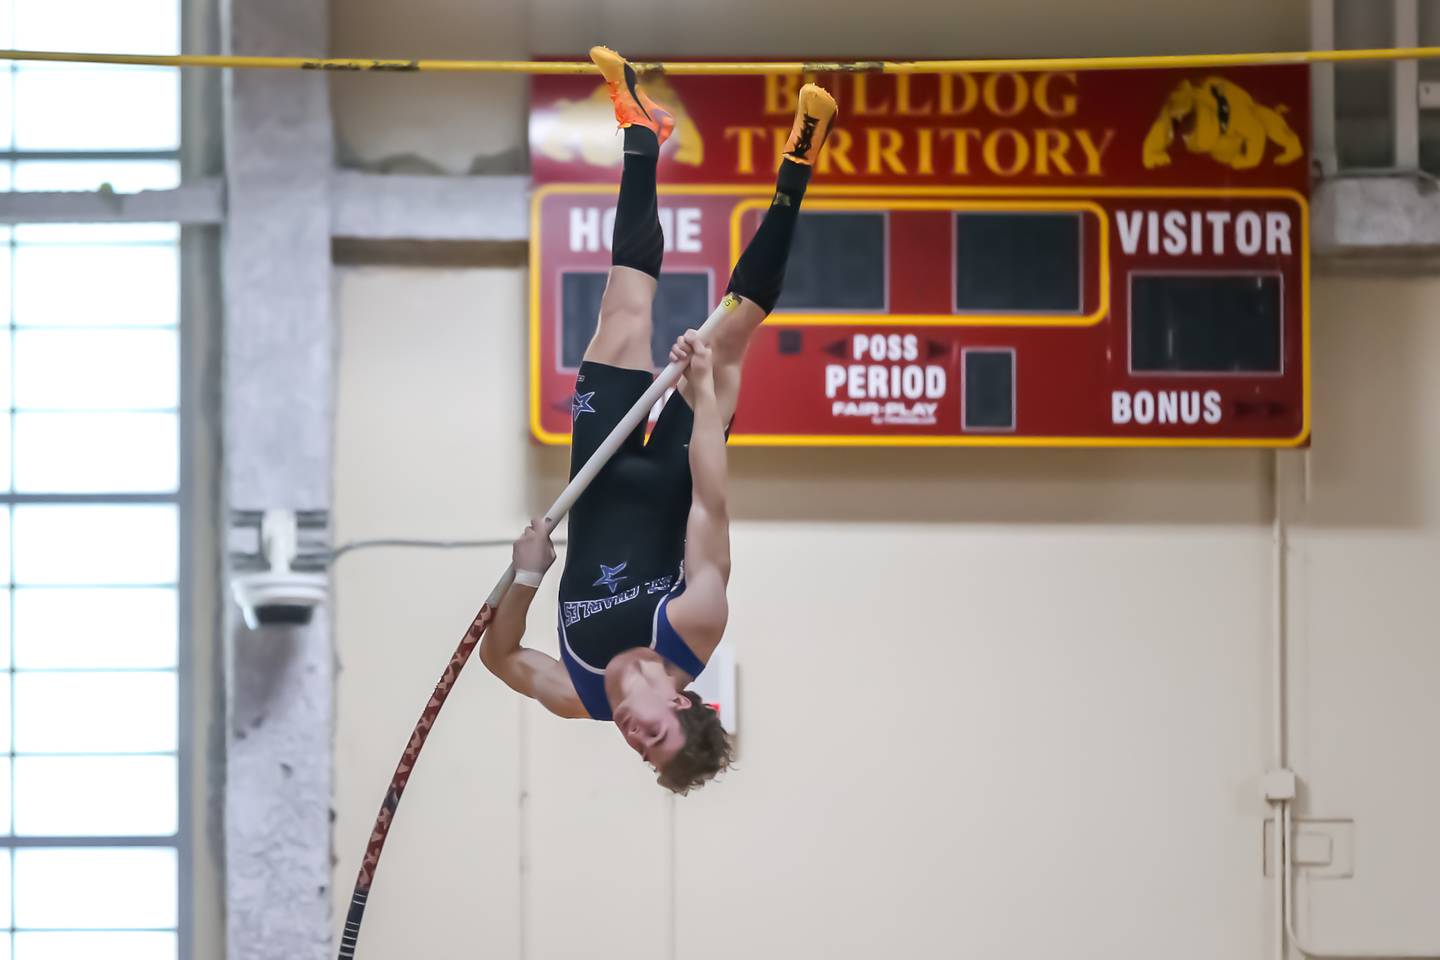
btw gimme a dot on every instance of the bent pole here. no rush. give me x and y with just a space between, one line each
637 415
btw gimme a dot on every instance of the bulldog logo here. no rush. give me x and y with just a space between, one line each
1217 117
584 129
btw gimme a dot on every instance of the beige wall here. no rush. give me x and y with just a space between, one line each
455 123
1363 610
993 703
1003 702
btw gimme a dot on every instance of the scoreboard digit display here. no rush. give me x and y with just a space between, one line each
1063 259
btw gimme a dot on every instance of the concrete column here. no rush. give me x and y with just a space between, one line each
1406 81
1322 87
278 394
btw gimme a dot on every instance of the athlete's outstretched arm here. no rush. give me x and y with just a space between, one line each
528 672
703 608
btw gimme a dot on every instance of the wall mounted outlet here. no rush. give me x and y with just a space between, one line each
1320 848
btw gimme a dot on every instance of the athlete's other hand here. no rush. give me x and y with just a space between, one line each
533 551
689 349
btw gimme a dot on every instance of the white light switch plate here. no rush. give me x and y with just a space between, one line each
1430 96
1320 848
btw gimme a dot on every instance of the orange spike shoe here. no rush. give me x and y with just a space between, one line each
814 117
632 106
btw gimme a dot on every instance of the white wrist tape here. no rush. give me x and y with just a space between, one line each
529 578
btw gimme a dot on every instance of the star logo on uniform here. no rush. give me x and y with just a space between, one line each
580 403
610 576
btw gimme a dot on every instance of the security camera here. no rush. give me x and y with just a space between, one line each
278 598
278 595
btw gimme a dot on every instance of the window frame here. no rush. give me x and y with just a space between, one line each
195 496
183 502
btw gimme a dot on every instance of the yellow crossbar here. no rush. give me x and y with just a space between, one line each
366 65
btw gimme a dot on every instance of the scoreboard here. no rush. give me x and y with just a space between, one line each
1063 259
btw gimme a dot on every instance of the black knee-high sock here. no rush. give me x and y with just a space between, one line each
638 242
760 273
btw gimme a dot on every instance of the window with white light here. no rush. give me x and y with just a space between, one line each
66 126
92 812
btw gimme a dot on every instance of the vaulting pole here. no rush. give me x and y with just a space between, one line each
636 416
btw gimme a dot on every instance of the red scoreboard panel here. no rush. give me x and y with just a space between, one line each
1074 259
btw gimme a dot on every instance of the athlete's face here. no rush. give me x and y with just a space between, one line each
650 725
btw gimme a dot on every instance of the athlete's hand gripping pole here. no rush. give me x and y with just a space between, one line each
636 416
